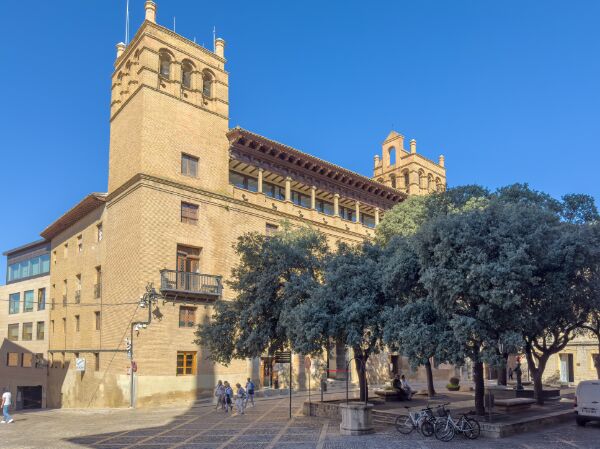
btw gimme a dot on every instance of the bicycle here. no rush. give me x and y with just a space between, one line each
422 420
446 428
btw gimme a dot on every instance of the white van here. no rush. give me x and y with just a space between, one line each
587 402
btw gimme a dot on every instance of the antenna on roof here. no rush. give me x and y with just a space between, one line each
214 37
127 23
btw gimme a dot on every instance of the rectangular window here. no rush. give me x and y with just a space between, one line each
27 331
41 330
98 321
96 361
76 323
347 213
186 363
187 316
27 360
243 181
12 359
274 191
98 284
189 165
14 303
28 301
300 199
80 243
52 326
13 332
41 302
189 213
271 229
35 266
38 360
78 288
324 207
367 220
64 325
99 232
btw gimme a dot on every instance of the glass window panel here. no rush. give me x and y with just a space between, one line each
35 266
325 207
27 331
252 184
274 191
14 301
45 263
28 301
41 330
42 299
25 269
13 332
367 220
12 359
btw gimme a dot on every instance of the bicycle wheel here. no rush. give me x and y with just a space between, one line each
443 430
404 425
427 428
471 429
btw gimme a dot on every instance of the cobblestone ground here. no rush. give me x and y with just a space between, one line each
264 427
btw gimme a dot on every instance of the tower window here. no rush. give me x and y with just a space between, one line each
189 165
165 64
207 81
186 74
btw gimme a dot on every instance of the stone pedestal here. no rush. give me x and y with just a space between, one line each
357 418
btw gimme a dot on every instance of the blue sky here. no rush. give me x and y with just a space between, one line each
508 91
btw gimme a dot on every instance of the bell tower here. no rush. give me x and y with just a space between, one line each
169 100
408 170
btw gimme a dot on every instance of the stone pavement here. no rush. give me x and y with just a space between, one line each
264 427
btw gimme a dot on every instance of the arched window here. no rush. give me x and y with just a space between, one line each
429 183
165 64
186 74
406 180
392 154
207 82
393 180
438 184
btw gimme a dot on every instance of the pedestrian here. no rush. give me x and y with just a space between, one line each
250 392
228 396
406 387
510 373
6 403
240 399
220 395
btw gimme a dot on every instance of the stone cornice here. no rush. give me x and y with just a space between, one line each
137 180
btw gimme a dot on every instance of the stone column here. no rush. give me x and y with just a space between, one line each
288 188
357 207
260 180
376 216
313 197
413 179
336 204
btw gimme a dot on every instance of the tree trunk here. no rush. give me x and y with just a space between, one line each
597 362
479 388
360 362
502 370
537 371
430 388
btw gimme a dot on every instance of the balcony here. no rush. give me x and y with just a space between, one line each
97 291
190 285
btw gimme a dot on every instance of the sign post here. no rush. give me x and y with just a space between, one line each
286 357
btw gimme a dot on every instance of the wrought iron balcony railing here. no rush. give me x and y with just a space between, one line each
191 284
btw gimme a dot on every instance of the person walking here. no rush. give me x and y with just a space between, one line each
240 399
249 392
228 396
6 403
406 387
220 395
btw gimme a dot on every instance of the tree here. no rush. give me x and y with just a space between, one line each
347 306
266 281
472 264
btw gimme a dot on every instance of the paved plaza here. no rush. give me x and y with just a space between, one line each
264 427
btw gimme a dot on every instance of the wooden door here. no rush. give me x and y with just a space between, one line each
188 265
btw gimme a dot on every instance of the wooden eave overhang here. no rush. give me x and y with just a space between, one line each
310 170
73 215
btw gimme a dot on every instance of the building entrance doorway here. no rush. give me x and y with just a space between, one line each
266 371
29 397
566 368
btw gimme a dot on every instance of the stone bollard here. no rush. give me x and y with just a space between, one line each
357 418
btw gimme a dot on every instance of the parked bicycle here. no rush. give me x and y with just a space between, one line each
423 420
446 428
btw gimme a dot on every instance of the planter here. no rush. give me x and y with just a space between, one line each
357 418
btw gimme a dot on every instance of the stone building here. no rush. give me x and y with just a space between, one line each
182 187
24 322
